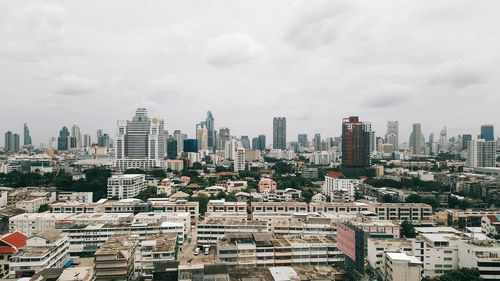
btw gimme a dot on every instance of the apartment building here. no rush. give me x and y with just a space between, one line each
229 207
415 212
285 194
376 247
313 226
334 185
401 267
340 208
130 205
126 186
263 249
44 249
159 248
180 217
32 204
490 224
177 206
115 258
86 239
484 256
28 223
267 184
279 207
9 245
211 230
81 197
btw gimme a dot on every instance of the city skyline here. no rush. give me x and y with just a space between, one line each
367 59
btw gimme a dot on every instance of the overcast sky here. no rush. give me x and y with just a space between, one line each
93 62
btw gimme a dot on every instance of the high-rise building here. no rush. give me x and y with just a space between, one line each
255 143
466 138
202 136
355 143
190 145
279 133
392 134
179 137
443 140
64 139
262 142
481 153
317 142
172 148
87 141
245 141
224 136
416 139
302 140
104 140
487 132
212 139
139 142
12 142
77 135
27 137
239 159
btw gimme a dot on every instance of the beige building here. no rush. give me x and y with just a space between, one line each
115 259
401 267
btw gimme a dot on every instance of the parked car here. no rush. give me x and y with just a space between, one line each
197 251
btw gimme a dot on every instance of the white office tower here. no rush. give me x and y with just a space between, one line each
392 134
125 186
139 142
239 159
75 133
443 141
179 137
481 153
231 145
202 136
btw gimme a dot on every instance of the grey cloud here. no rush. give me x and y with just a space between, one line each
386 99
74 85
457 74
316 23
231 49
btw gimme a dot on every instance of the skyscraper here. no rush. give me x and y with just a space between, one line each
416 139
443 140
239 159
392 134
317 142
171 149
262 142
487 132
202 136
190 145
279 133
77 135
302 140
64 139
245 141
355 143
12 142
481 153
255 143
27 137
139 142
87 141
466 138
212 140
224 136
179 137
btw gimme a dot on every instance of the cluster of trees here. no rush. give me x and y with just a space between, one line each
407 229
96 181
18 179
408 183
415 198
461 274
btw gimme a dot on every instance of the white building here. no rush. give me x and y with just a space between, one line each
44 249
483 256
81 197
126 186
334 185
32 204
481 153
159 248
401 267
239 159
140 142
376 247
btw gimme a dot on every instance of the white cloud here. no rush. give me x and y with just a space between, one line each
231 49
70 84
457 74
